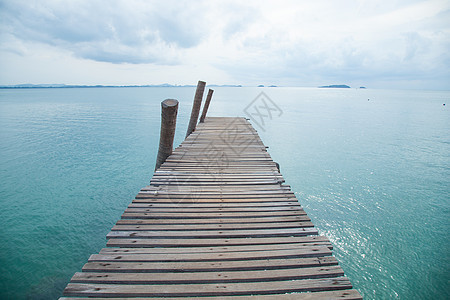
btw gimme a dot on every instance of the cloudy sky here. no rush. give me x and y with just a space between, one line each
375 43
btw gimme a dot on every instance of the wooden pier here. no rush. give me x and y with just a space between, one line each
215 222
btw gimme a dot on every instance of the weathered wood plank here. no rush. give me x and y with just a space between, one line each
206 174
226 256
223 196
186 290
215 227
327 295
205 215
207 277
213 249
199 234
221 204
217 199
215 266
184 208
200 210
219 221
218 188
263 173
132 243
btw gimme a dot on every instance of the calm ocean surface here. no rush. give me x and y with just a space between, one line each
370 167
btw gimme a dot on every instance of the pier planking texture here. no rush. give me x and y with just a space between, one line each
216 222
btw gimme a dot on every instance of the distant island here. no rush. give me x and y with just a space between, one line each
335 86
62 86
66 86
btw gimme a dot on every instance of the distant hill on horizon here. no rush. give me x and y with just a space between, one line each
335 86
31 86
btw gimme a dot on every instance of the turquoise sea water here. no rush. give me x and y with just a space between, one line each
370 167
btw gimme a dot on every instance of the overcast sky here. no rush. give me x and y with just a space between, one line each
375 43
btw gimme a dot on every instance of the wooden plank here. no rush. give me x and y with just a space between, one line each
210 195
265 184
327 295
205 215
218 188
200 199
214 266
200 210
226 256
216 180
222 170
229 159
208 176
215 227
186 290
257 233
214 205
228 197
207 277
263 173
133 243
184 221
204 192
238 160
213 249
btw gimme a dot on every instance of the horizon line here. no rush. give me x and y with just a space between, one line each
61 86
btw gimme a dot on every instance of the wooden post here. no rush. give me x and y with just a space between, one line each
205 108
169 110
196 107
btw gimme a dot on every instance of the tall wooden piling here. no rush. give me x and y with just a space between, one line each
196 107
205 108
169 110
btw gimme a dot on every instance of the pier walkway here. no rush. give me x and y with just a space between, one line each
216 221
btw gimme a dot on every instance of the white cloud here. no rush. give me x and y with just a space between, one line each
110 31
280 42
